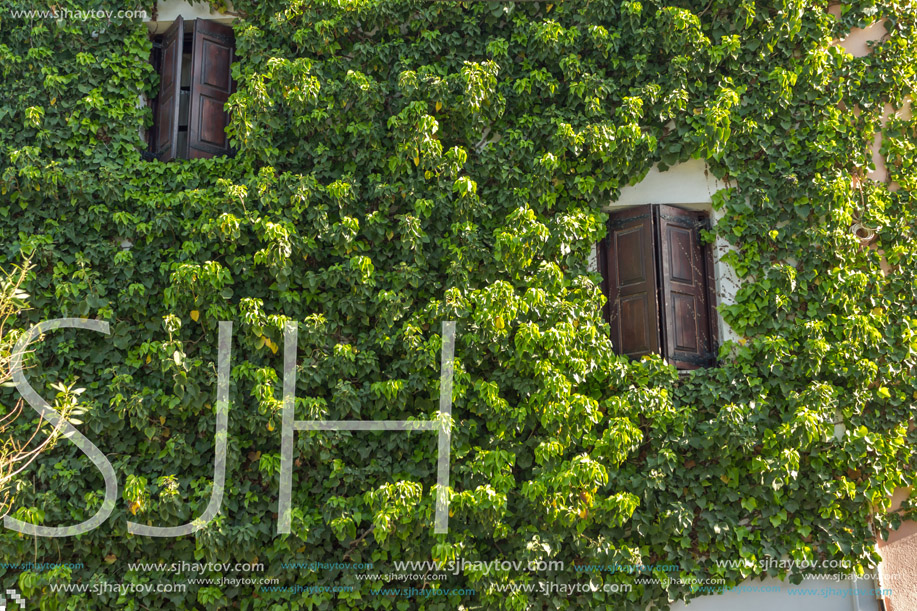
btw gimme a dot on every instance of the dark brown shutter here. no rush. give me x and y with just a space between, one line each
630 278
166 120
211 84
685 269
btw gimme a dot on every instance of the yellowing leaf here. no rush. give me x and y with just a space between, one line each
499 323
416 160
148 359
438 105
270 344
270 425
195 315
162 420
53 101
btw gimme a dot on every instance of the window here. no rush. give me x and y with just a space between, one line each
658 278
195 82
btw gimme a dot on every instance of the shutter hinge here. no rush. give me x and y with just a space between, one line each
698 222
625 221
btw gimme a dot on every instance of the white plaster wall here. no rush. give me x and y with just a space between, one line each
168 11
594 259
811 595
685 183
689 185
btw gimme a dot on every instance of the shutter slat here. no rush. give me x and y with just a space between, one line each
686 270
630 279
166 124
211 85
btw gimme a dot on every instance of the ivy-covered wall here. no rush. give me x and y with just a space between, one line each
401 163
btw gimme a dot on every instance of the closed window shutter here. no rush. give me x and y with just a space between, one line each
686 270
211 85
166 124
630 277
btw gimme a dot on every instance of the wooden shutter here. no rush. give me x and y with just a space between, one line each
211 84
630 282
686 274
166 118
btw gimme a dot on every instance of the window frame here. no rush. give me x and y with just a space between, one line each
657 217
194 34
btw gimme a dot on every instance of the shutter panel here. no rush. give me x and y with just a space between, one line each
685 268
630 279
166 120
211 84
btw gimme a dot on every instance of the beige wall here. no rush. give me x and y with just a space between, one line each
899 563
898 571
858 45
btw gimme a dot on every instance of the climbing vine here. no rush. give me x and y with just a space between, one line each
400 163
